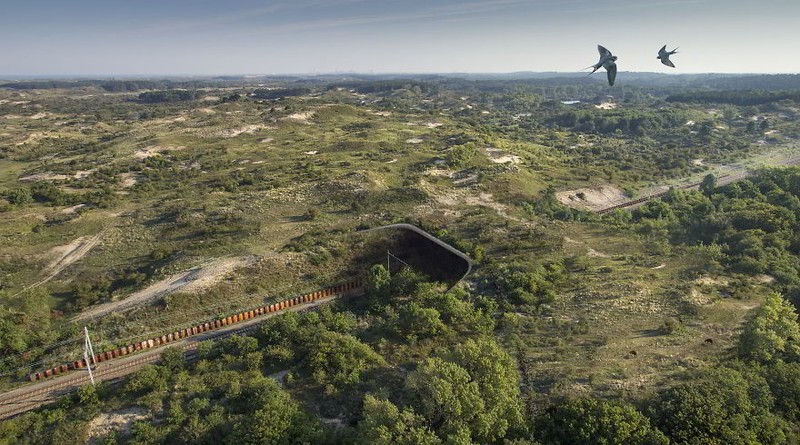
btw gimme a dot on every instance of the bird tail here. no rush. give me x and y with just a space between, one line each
675 51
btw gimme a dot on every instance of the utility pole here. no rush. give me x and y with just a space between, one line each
88 352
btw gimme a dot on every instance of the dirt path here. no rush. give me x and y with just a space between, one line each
195 279
69 254
735 172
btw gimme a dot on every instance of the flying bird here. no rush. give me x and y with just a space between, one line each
663 54
606 61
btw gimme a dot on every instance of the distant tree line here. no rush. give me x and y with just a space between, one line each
112 86
735 97
385 86
279 93
626 121
152 97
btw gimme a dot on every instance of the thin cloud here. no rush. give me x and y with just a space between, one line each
450 12
246 14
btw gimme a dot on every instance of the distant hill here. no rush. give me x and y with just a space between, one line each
706 81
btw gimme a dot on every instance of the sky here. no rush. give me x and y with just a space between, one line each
216 37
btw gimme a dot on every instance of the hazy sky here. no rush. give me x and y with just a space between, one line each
117 37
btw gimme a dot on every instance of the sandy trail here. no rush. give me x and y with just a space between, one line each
195 279
68 255
71 253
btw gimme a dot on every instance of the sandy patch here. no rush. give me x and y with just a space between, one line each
485 200
382 113
302 117
660 266
206 111
115 421
593 253
38 116
128 180
80 174
266 140
70 253
153 150
433 124
710 281
312 152
700 299
196 279
499 157
32 138
210 98
72 209
765 279
697 161
466 180
594 198
439 172
606 106
247 129
67 255
169 120
392 161
414 141
460 196
45 177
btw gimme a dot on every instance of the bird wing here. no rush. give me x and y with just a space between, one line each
667 62
663 49
603 52
611 70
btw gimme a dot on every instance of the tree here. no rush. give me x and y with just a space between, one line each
496 375
145 380
447 397
269 415
773 333
719 406
708 184
593 421
784 382
378 282
339 358
173 359
416 321
385 424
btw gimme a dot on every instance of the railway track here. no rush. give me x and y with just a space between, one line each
722 180
47 391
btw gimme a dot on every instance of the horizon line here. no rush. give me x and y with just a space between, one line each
120 76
